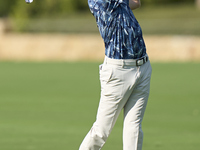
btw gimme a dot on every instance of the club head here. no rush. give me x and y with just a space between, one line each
28 1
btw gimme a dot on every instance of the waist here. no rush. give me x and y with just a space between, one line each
127 62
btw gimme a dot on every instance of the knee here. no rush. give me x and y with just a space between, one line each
99 132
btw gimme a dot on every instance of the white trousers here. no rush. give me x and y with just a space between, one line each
123 86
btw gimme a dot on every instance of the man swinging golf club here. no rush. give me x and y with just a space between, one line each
124 75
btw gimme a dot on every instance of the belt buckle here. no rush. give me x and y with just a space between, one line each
140 62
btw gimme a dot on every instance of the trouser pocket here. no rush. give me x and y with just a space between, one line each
105 72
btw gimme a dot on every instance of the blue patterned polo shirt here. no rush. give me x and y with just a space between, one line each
119 29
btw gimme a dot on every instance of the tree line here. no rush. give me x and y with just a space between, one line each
59 7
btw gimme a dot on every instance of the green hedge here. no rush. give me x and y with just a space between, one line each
58 7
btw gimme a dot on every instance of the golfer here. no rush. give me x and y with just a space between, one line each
124 75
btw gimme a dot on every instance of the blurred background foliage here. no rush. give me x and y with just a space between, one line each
50 8
74 16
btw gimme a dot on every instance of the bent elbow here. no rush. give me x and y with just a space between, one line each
134 4
139 4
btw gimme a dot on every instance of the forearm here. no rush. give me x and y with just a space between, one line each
133 4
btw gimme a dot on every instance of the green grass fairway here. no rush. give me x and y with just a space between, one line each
51 106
